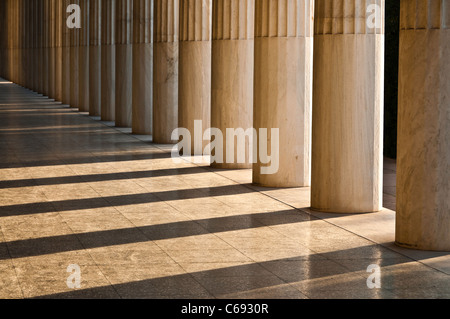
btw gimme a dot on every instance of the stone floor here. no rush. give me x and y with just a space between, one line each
76 191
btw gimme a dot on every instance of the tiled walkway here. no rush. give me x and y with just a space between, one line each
75 191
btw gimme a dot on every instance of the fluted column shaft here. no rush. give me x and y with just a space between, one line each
45 48
347 147
36 47
83 57
142 66
195 68
423 160
66 78
108 65
282 89
95 57
232 75
59 25
74 63
124 62
51 48
165 71
3 37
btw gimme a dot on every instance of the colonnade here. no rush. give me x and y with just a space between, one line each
312 69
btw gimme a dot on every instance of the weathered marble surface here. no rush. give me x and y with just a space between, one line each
165 71
423 169
124 62
232 74
66 79
95 58
83 58
74 64
142 107
108 65
57 11
195 68
282 89
347 128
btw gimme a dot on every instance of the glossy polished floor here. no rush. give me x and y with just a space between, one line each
76 191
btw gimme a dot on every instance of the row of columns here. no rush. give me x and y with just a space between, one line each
158 65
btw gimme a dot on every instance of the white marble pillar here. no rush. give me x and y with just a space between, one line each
124 62
347 146
66 80
59 25
35 50
165 71
194 83
108 65
232 77
142 66
19 42
95 57
24 46
74 65
83 57
45 48
51 48
423 160
3 37
282 91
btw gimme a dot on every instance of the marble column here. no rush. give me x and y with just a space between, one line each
95 57
282 91
423 160
51 48
32 45
194 83
45 48
347 146
142 66
74 63
59 25
124 62
108 65
66 79
165 71
232 77
23 44
19 42
3 37
83 57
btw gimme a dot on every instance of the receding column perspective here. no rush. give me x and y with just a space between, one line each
423 160
124 62
282 92
108 64
142 67
347 144
165 70
194 83
232 80
83 57
95 66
